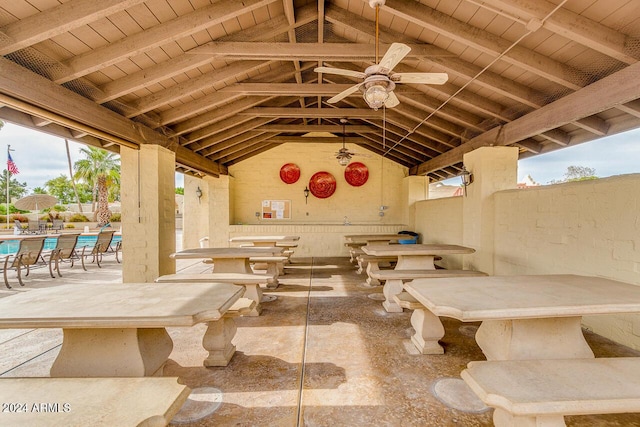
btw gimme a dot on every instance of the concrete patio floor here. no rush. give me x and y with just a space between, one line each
323 353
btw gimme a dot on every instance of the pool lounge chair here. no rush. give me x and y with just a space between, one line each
65 251
58 225
33 227
101 246
28 254
19 227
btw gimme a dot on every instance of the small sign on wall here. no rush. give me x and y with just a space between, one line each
276 209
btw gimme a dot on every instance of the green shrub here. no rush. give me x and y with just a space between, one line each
69 226
78 218
116 217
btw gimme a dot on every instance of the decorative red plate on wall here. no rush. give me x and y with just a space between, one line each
290 173
322 185
356 174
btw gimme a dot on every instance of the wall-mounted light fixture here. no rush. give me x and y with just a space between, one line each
467 179
306 194
198 194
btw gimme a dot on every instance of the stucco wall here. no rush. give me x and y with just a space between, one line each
588 227
320 223
258 179
440 221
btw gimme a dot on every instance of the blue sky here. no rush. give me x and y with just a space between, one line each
41 157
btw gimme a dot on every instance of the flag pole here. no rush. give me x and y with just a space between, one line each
8 175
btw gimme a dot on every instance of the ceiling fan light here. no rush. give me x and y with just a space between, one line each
376 96
344 161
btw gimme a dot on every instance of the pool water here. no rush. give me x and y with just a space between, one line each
11 246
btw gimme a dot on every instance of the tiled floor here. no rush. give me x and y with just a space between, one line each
324 353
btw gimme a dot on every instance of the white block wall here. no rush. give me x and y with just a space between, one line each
587 228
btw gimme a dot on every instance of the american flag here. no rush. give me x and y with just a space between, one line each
11 167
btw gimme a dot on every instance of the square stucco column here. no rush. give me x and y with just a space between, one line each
414 189
494 169
148 212
207 217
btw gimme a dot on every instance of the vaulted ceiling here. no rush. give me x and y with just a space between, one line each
221 81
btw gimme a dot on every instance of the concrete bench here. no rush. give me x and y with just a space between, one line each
394 280
364 260
542 392
287 248
251 283
355 250
147 401
218 343
426 335
274 266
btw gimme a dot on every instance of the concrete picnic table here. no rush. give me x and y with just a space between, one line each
523 317
264 240
118 330
228 260
370 239
415 257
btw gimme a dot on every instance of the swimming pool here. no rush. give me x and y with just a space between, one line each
11 246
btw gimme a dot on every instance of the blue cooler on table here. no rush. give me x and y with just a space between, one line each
410 239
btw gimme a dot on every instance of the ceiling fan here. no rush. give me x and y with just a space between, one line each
344 155
379 80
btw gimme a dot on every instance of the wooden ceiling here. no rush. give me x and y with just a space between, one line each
221 81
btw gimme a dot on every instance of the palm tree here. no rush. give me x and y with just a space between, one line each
98 169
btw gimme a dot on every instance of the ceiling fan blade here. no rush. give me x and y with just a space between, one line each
395 54
426 78
392 101
344 93
340 71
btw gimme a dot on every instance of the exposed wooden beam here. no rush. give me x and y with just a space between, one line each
218 115
530 145
57 20
616 89
194 84
172 30
574 27
446 62
593 124
317 128
303 51
316 139
291 89
251 125
557 136
30 88
486 42
183 63
357 113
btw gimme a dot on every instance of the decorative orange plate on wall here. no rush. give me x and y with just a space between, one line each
322 185
356 174
290 173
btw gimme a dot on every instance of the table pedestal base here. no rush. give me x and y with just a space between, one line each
254 292
429 331
391 288
370 281
522 339
217 341
232 265
112 352
502 418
